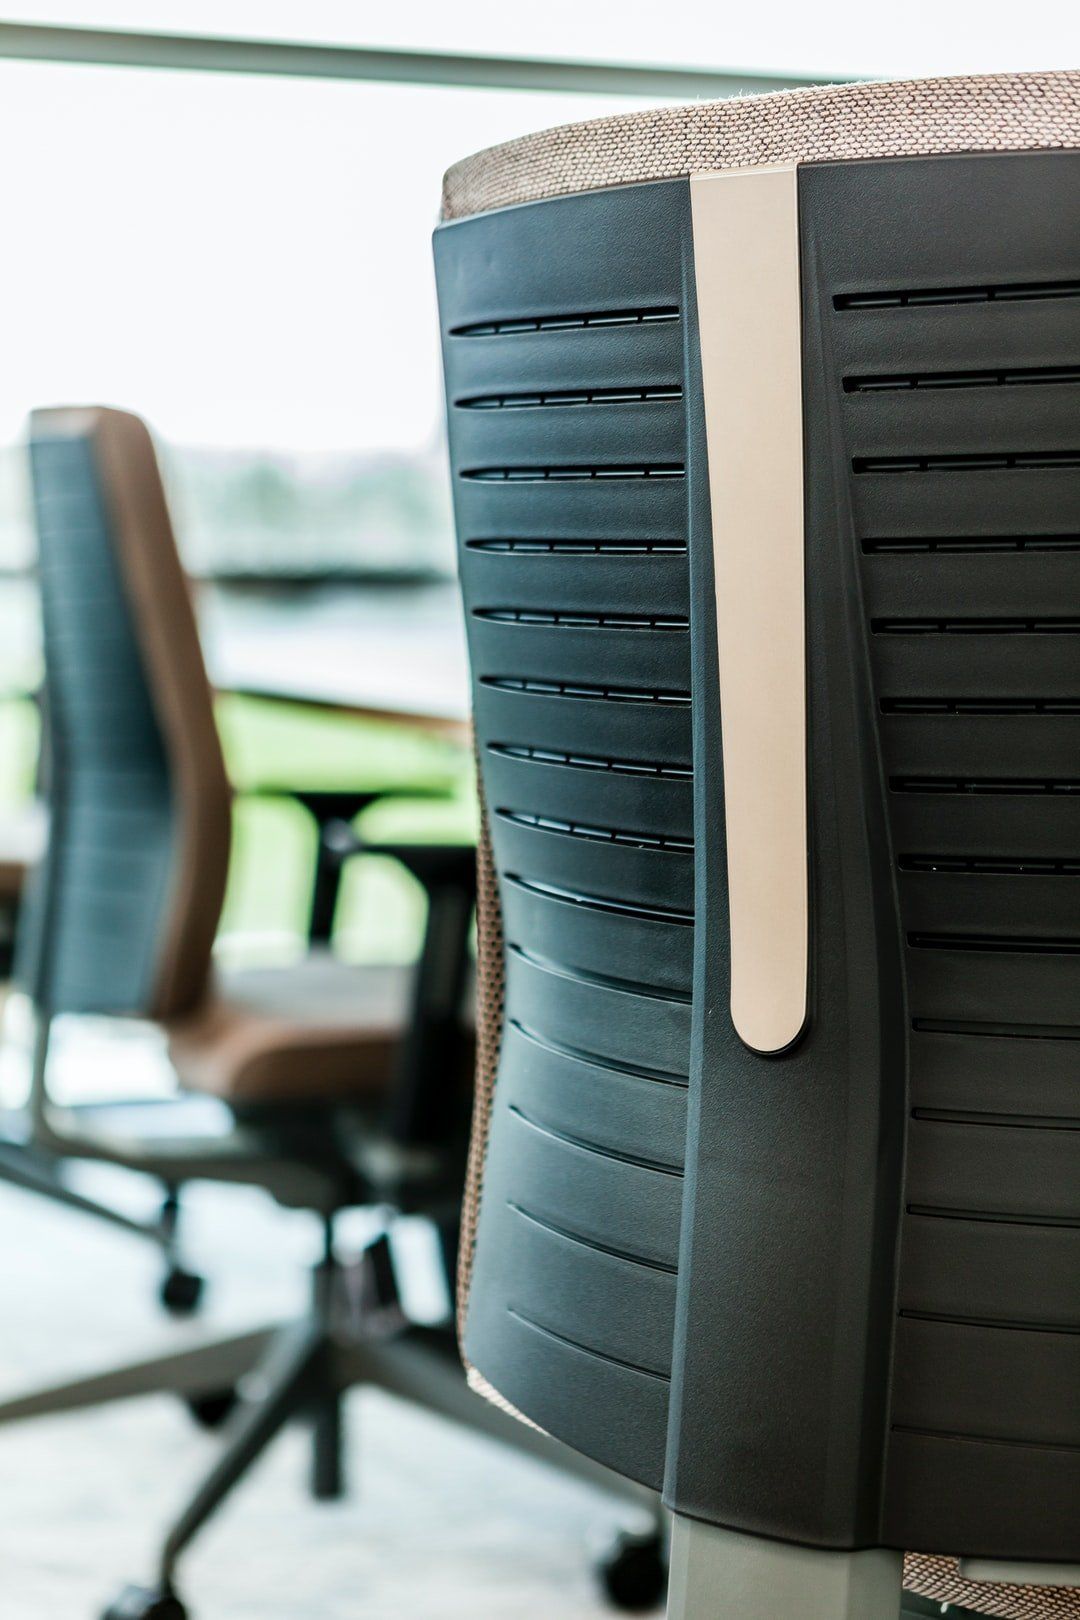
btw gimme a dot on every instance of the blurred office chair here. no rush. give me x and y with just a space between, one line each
344 1086
32 1155
774 405
324 1067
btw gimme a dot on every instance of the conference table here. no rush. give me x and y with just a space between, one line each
394 653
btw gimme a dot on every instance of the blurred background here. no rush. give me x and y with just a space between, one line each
244 259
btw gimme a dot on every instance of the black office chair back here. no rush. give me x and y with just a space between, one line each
121 914
793 1231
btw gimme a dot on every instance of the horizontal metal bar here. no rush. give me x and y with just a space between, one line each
41 42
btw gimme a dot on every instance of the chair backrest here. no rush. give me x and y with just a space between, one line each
776 1188
122 912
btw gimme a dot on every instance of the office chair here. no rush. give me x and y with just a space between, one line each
344 1086
30 1161
765 433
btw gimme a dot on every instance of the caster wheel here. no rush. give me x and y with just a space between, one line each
181 1291
146 1603
213 1409
634 1573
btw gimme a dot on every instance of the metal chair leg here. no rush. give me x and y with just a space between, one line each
289 1380
328 1441
39 1173
197 1370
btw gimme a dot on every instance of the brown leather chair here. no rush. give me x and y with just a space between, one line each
345 1085
134 876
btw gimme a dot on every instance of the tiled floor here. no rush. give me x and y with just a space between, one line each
439 1524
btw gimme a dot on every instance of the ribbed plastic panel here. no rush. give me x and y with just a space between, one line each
952 365
564 339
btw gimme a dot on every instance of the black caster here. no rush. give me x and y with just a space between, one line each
181 1291
213 1409
146 1603
634 1573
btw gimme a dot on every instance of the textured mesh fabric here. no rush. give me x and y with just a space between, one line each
940 1579
490 994
998 112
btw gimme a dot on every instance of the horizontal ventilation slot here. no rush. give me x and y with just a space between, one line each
975 542
582 621
1006 865
982 1439
663 1167
575 689
987 461
585 1349
975 627
589 762
983 784
988 1030
961 379
976 706
604 981
569 397
599 835
583 548
1012 1122
570 475
1004 293
588 1243
580 1055
995 1322
991 1217
590 902
1008 944
568 323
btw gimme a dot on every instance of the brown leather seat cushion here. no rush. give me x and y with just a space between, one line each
319 1029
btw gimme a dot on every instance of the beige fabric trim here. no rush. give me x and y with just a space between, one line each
940 1579
490 998
487 1392
995 112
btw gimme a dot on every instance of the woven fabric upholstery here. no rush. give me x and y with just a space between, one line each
940 1579
999 112
490 995
490 998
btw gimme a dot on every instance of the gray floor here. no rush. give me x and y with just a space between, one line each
438 1523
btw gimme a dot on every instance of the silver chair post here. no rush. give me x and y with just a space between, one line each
716 1573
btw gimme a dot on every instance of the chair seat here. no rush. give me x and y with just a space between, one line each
317 1030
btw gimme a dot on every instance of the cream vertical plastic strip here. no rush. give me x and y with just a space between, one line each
746 255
